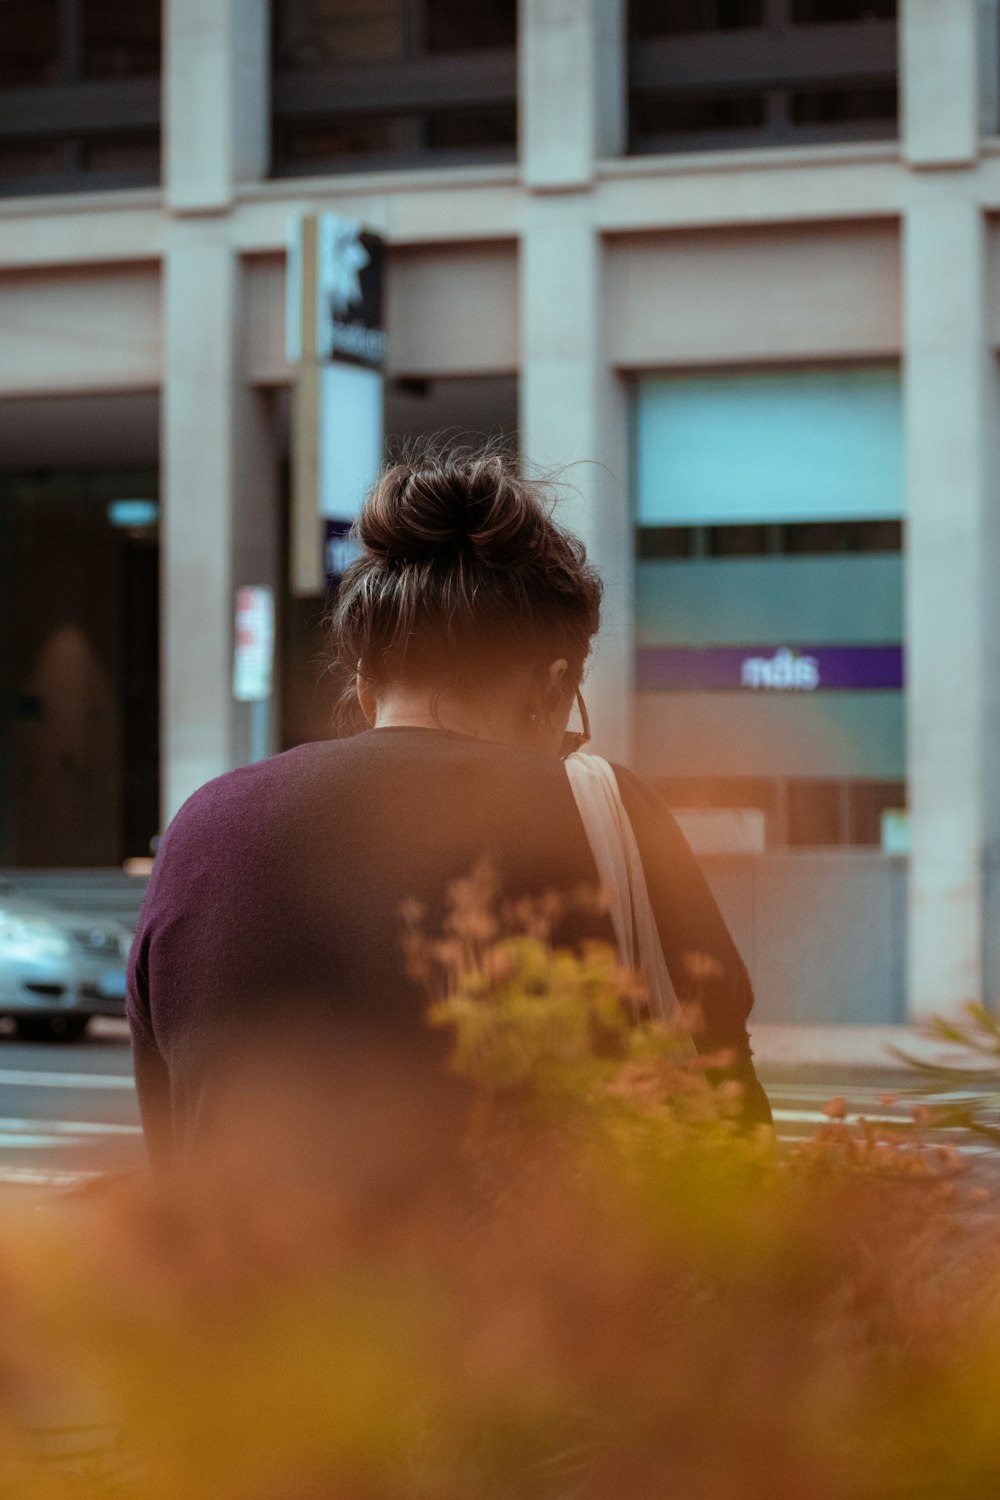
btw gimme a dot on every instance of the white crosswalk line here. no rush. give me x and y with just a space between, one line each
70 1127
40 1177
813 1118
26 1141
66 1080
816 1117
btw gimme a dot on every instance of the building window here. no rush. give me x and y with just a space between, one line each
719 74
799 813
801 539
747 450
79 95
392 83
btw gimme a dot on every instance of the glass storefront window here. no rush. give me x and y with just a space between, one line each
798 812
728 450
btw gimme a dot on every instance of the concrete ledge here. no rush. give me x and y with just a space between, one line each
869 1047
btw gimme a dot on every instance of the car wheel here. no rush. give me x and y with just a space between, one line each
50 1028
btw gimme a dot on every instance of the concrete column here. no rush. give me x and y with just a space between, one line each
988 56
572 96
939 81
573 416
952 413
952 543
572 88
219 510
216 100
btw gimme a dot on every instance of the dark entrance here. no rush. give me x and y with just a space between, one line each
79 667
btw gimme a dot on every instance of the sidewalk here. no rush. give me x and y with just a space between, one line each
860 1047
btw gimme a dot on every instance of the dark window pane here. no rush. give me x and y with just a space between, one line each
760 539
718 791
825 12
869 799
139 155
331 140
664 541
121 38
402 139
842 536
469 25
464 129
739 541
29 43
677 17
829 106
813 811
683 116
18 161
320 33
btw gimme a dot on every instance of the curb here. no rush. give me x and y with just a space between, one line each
863 1047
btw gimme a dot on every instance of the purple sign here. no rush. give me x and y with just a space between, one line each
761 669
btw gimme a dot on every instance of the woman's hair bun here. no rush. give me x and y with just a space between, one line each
444 502
463 574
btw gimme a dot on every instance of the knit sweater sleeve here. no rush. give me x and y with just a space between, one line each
152 1078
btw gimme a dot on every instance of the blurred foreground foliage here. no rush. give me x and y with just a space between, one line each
607 1289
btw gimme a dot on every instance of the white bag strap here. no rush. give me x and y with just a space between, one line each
619 866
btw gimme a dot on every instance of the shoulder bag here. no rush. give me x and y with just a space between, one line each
619 867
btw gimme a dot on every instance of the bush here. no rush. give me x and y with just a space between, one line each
609 1289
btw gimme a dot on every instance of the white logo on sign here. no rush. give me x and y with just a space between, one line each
348 258
783 670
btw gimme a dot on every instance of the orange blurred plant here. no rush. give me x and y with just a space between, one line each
603 1289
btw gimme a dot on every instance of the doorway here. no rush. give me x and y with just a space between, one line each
79 666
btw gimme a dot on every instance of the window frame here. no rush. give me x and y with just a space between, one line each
74 113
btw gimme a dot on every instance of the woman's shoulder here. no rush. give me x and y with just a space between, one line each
244 807
252 784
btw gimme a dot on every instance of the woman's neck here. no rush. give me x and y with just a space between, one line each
503 719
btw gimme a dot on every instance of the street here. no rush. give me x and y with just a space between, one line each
69 1113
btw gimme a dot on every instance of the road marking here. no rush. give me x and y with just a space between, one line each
39 1177
816 1117
9 1141
66 1080
812 1117
70 1127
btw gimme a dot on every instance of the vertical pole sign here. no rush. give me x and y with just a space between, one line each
336 339
253 662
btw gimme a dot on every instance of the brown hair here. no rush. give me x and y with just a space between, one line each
464 575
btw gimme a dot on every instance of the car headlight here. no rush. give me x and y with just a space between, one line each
31 937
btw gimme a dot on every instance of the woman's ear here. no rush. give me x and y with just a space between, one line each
366 698
556 687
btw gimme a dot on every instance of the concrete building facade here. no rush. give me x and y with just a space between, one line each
582 293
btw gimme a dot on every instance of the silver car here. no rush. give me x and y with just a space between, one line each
59 968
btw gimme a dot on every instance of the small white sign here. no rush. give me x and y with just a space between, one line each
351 438
253 656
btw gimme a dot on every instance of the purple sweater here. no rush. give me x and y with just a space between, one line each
274 904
